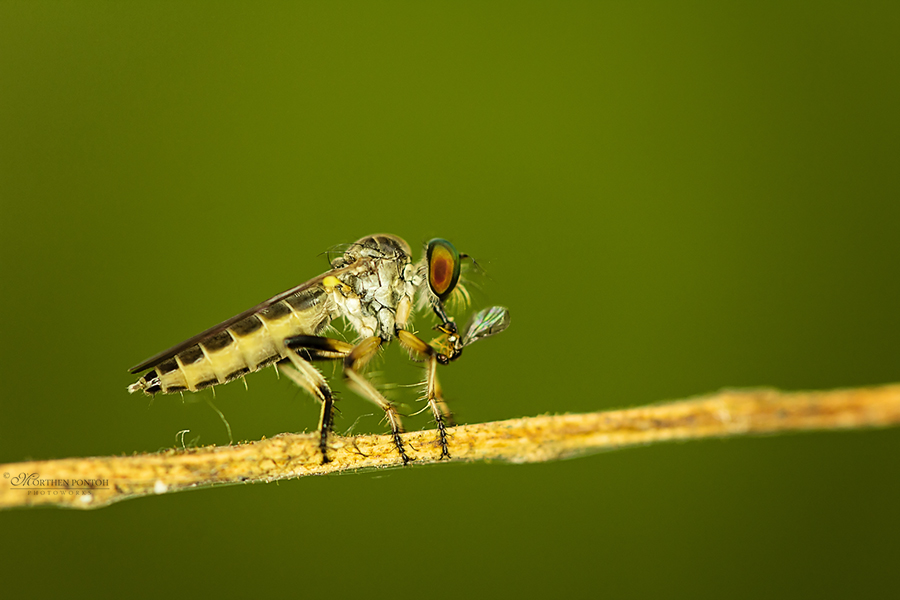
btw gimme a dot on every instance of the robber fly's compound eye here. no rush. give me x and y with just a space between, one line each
443 267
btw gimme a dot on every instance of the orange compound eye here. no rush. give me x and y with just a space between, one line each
443 267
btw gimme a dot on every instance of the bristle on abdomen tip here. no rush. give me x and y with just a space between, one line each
149 386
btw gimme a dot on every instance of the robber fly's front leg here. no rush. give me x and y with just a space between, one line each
442 416
354 357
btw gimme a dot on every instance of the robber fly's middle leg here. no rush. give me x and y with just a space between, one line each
354 357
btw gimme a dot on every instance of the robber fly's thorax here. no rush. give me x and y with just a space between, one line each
375 294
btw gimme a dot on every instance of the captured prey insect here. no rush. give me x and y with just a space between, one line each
374 286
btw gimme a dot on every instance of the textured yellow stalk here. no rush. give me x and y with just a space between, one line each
95 482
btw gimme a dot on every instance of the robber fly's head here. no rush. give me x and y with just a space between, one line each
439 272
442 265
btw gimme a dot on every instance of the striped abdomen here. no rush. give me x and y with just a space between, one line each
241 347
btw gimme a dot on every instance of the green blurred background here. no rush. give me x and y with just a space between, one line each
672 198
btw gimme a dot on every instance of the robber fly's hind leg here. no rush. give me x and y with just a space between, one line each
309 378
305 348
442 416
354 357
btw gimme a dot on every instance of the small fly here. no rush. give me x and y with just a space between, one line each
374 286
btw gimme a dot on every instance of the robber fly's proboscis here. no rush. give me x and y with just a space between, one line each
375 287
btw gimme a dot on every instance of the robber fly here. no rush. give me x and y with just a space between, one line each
374 285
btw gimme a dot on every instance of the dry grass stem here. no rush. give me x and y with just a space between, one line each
100 481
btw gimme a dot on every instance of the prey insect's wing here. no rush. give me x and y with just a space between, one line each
303 287
486 323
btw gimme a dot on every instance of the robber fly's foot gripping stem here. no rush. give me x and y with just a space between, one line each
442 432
398 442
